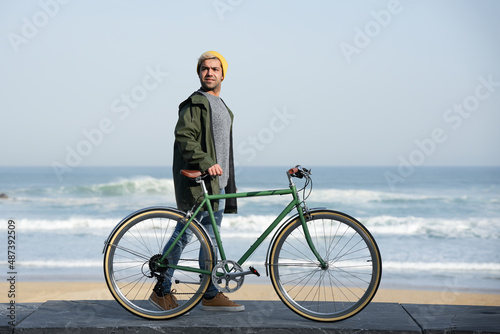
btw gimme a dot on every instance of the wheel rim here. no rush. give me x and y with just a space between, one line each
128 269
344 286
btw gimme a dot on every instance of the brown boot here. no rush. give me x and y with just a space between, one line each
221 303
167 302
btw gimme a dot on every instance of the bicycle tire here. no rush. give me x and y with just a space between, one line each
128 252
345 286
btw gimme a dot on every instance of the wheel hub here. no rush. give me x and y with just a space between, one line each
155 264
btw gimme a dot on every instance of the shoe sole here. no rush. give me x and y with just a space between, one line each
223 308
161 308
157 306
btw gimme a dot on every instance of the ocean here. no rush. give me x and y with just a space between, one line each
437 229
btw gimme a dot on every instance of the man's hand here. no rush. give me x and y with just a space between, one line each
215 170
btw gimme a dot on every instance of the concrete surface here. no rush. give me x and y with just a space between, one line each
107 316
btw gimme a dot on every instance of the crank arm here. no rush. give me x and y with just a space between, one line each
177 281
252 271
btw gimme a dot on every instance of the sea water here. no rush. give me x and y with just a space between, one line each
437 227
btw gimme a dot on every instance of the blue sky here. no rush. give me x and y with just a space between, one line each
340 83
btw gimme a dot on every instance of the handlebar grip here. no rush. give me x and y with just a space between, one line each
293 170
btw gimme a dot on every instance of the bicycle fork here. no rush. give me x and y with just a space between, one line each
323 264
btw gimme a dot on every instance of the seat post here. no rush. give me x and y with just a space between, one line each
203 186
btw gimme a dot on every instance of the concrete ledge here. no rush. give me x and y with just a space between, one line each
106 316
455 318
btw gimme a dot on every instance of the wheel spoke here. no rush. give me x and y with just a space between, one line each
339 290
133 253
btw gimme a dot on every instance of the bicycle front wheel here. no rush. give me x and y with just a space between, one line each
131 257
333 292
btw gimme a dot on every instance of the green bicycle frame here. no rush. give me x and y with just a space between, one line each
294 203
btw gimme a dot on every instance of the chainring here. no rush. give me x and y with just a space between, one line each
222 277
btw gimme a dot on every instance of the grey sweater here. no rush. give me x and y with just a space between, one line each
221 125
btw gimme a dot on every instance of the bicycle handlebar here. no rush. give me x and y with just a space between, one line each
299 172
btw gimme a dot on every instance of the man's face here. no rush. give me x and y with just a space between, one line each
211 74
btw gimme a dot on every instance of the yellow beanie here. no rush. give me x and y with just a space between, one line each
211 54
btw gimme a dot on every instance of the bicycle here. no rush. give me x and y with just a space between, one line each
323 264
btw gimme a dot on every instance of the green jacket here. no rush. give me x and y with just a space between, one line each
194 149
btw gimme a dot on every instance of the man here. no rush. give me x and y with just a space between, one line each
203 141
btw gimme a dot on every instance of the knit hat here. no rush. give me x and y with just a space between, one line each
212 54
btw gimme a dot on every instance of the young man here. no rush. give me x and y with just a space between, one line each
203 141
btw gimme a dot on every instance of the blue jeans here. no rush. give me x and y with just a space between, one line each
173 258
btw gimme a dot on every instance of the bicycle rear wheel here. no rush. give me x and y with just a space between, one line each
350 279
131 257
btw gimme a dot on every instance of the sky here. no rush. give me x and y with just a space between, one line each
334 83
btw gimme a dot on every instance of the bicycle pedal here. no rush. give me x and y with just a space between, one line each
254 271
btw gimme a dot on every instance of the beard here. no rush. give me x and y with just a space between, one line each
210 85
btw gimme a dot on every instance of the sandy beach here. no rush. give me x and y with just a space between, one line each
39 292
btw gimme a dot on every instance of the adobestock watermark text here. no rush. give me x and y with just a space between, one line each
364 35
453 118
121 108
32 25
223 6
252 145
